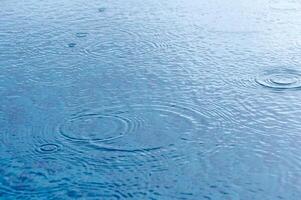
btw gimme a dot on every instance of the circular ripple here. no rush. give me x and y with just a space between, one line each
106 48
121 43
49 148
95 126
285 79
137 127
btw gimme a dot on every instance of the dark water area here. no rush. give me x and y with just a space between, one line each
150 99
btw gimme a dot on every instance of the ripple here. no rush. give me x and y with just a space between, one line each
45 43
123 41
153 137
135 128
280 79
49 148
235 32
286 6
95 126
3 82
51 76
81 34
105 48
129 174
26 176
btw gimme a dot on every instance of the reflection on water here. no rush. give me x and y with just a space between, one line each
150 100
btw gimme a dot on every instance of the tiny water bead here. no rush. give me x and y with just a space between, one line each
280 79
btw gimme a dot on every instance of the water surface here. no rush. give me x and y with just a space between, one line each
150 99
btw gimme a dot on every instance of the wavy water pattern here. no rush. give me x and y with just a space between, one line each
150 99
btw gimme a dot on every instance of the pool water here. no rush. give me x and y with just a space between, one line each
174 99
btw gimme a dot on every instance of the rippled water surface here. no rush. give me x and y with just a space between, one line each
174 99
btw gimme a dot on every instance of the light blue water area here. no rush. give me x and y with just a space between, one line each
173 99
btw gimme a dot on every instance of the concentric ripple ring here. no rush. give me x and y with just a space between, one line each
283 79
95 127
134 128
49 148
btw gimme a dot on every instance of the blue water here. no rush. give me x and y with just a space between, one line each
174 99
